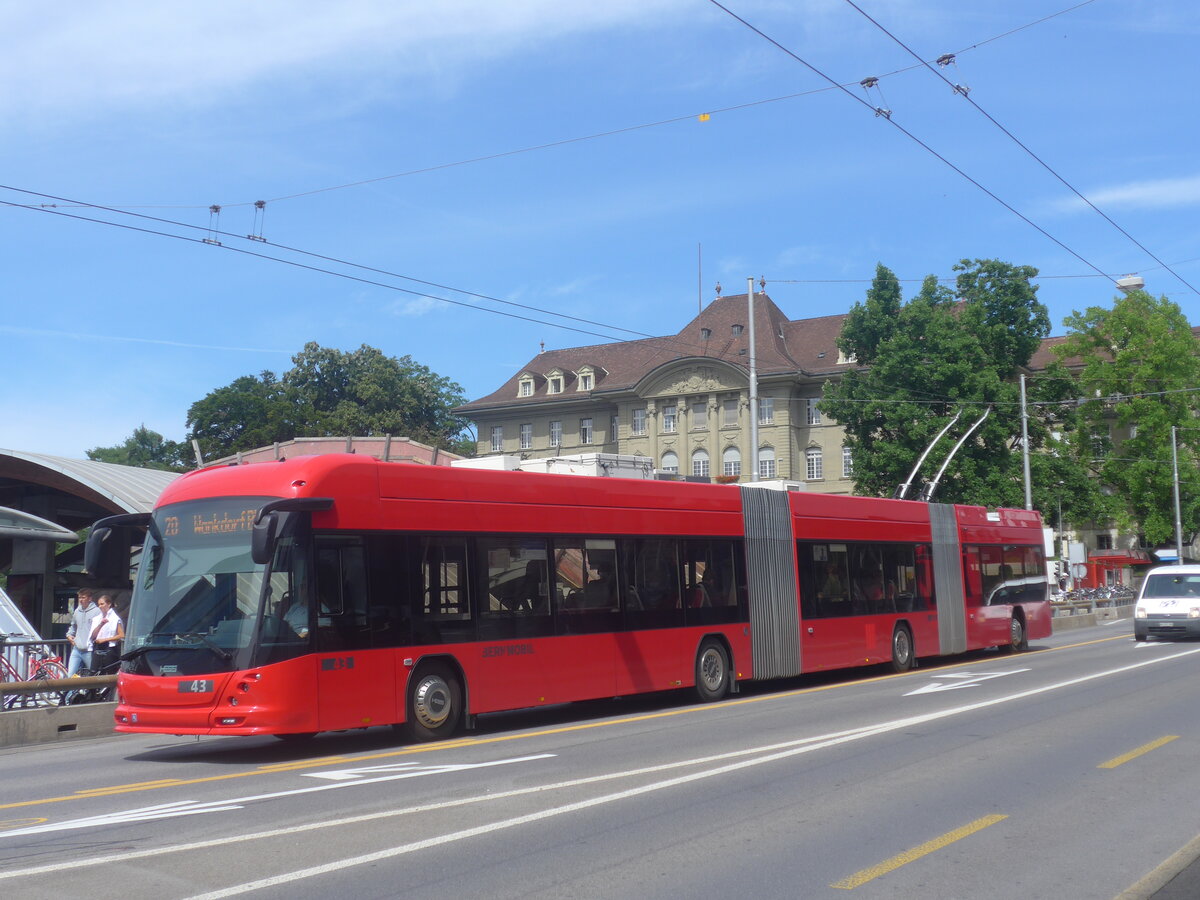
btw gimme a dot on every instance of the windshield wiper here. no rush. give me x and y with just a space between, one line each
208 642
168 640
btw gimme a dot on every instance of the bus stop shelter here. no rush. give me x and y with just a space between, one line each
45 501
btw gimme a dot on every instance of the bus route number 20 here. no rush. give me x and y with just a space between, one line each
507 650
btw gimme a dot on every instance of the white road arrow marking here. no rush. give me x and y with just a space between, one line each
954 681
347 778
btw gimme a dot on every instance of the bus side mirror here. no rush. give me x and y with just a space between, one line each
106 555
262 538
93 553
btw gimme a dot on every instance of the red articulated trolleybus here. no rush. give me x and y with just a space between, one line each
334 592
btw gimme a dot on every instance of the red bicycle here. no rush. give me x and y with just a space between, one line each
41 665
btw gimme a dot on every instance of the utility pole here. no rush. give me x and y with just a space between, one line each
1025 445
753 383
1178 518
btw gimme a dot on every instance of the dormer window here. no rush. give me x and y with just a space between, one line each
705 334
737 330
587 379
525 386
554 381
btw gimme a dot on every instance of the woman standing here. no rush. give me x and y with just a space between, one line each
107 634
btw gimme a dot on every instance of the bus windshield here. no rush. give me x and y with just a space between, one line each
200 600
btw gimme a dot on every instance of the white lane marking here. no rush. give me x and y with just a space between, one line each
799 746
194 807
403 849
962 681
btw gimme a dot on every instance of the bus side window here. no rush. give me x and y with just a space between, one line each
651 588
342 622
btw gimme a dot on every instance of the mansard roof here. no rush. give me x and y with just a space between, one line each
781 346
801 347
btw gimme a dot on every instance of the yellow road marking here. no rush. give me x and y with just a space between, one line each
860 878
1134 754
479 742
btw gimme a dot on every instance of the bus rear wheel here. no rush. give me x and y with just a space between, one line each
903 657
435 703
1016 640
712 671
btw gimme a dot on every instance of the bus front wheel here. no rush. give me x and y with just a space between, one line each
903 657
434 703
712 671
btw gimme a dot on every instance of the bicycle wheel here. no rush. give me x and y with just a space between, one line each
48 671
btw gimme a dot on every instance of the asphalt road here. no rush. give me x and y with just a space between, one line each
1066 772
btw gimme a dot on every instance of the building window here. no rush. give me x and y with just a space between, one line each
556 433
705 334
700 464
729 412
814 414
639 420
814 467
585 381
731 462
670 463
497 438
526 435
766 410
614 428
847 463
699 416
670 419
737 330
585 431
1104 541
526 388
554 384
766 462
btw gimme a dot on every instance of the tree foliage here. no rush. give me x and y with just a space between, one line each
330 392
1138 370
145 449
944 352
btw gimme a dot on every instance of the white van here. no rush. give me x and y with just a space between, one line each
1169 604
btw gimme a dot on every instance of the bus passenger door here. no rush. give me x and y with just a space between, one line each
356 686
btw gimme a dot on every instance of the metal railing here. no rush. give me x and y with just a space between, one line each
33 674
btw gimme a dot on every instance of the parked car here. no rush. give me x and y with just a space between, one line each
1169 604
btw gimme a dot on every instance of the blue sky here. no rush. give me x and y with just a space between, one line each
165 109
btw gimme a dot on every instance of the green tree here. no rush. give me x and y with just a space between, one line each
1138 369
330 392
942 352
145 449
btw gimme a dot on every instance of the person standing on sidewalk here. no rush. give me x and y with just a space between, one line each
79 632
107 633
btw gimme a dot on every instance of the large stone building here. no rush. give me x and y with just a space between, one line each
683 401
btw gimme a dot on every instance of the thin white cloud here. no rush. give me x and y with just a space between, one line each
94 338
113 54
1159 193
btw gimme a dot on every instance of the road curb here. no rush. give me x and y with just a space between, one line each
47 724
